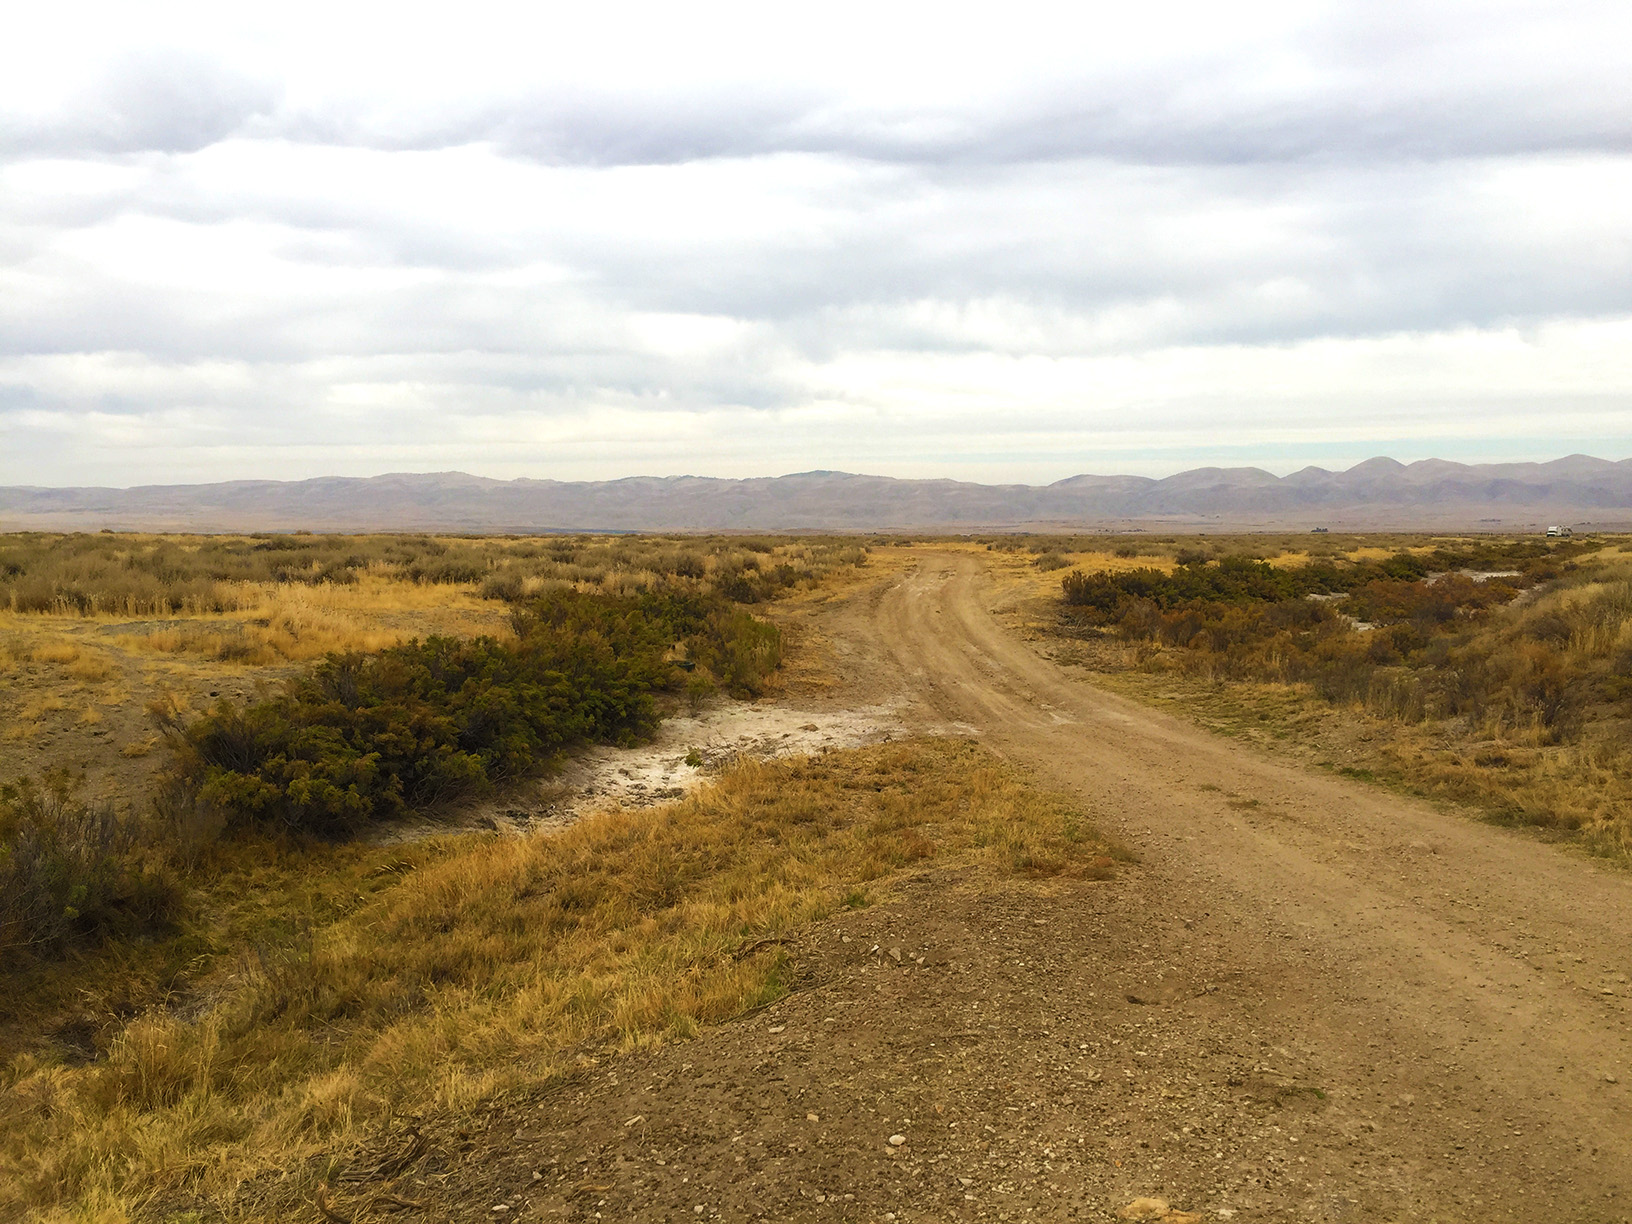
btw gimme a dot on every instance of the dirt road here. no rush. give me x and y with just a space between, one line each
1485 972
1312 1000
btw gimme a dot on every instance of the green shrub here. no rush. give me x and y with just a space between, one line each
740 651
72 872
366 736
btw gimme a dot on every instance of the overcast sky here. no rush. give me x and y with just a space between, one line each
997 242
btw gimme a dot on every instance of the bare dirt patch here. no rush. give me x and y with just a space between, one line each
687 751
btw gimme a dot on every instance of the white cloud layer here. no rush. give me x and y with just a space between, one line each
999 243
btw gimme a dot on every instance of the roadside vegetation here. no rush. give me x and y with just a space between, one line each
347 986
1496 672
96 630
73 873
221 984
251 709
264 601
156 575
586 640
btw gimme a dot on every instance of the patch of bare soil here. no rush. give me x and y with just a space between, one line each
687 749
713 738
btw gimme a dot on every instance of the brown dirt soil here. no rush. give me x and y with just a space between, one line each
1311 1000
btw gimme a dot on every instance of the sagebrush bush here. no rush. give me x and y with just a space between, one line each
74 872
367 736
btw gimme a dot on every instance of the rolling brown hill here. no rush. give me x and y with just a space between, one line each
1379 493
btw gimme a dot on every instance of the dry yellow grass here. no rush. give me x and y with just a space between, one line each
208 615
1525 716
1019 577
1512 774
135 614
1381 552
427 978
296 623
56 651
90 667
36 706
1289 560
1584 785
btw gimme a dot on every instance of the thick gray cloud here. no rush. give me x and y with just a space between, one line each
1015 251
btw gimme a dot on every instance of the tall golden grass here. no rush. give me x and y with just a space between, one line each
287 624
462 967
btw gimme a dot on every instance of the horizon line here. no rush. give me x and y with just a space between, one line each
1242 468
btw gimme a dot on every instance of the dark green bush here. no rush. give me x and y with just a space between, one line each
365 737
1232 580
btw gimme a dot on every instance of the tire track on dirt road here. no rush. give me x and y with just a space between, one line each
1458 951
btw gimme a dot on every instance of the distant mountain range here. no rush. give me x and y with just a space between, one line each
1380 493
